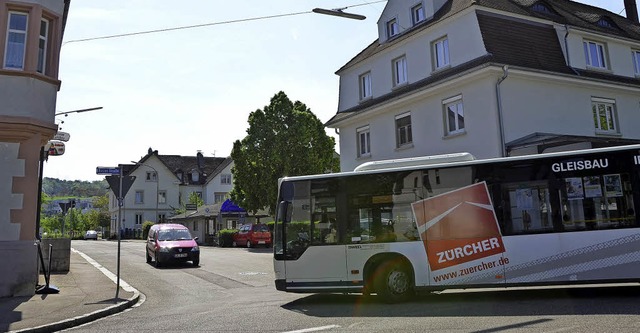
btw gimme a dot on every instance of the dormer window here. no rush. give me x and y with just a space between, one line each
542 8
16 41
399 71
417 14
195 176
392 28
606 23
441 53
594 53
365 86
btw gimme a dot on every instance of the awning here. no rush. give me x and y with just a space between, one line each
544 141
229 207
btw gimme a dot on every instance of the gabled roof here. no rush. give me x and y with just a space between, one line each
525 44
185 164
219 169
568 12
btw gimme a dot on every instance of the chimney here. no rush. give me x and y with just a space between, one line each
631 10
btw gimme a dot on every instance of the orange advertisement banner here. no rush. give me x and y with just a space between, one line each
458 226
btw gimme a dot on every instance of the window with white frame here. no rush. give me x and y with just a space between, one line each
365 85
417 14
604 115
152 176
139 197
225 179
162 197
454 115
441 53
16 41
594 54
43 46
399 71
636 61
364 141
139 218
403 130
392 28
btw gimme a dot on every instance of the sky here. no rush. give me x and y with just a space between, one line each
188 90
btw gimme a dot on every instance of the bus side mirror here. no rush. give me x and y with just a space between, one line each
284 208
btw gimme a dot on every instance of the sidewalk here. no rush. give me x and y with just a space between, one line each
86 294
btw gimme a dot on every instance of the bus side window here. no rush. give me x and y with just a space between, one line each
597 202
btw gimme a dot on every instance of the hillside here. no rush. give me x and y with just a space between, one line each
73 188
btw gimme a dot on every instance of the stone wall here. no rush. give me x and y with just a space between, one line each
60 254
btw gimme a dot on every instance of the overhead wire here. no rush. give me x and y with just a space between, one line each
144 32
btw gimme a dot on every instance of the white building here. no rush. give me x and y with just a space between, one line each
490 77
163 183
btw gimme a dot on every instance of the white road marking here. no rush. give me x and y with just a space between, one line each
564 329
314 329
106 272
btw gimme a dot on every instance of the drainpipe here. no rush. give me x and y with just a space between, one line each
505 70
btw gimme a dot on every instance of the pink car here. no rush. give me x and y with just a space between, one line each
171 243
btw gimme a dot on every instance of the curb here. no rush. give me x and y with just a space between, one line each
86 318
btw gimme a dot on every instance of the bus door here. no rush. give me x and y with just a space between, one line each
311 236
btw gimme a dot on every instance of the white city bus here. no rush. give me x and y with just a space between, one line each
396 227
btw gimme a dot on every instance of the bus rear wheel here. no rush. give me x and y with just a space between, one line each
393 282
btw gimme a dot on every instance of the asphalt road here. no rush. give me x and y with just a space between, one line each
233 291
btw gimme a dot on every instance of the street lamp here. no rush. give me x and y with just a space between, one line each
157 185
78 111
338 12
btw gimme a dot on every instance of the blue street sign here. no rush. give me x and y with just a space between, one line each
107 171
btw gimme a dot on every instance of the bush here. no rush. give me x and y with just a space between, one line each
271 225
225 237
145 229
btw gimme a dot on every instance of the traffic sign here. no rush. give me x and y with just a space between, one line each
62 136
107 171
114 183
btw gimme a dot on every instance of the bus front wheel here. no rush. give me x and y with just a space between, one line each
393 282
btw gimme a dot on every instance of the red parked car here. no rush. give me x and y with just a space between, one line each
250 235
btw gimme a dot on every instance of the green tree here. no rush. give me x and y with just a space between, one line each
51 224
74 222
194 198
101 206
283 139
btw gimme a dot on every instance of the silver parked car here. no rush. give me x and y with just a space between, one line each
91 234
